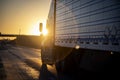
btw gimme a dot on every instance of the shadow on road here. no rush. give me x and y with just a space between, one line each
45 74
2 71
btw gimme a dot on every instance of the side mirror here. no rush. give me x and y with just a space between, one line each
40 27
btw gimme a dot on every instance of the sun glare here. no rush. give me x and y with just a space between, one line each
35 29
45 31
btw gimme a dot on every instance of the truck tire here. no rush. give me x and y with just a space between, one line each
60 67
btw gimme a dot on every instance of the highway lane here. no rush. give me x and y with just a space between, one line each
21 63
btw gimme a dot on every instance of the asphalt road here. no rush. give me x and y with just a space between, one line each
22 63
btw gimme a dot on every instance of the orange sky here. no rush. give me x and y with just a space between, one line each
22 15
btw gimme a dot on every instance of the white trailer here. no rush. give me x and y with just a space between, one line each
84 36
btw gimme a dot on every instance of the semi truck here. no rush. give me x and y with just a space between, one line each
83 36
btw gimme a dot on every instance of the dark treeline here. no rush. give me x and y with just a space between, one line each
28 41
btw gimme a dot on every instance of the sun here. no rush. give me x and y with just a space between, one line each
45 32
35 29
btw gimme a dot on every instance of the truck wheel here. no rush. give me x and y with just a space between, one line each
60 67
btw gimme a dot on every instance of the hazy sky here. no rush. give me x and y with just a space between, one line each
22 15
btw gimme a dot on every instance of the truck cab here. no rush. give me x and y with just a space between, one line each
46 47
